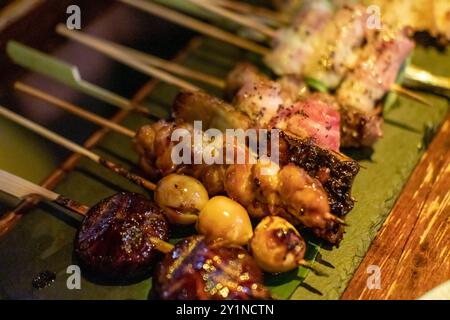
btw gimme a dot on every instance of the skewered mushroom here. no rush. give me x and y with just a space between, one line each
198 269
121 235
116 237
223 218
181 197
277 246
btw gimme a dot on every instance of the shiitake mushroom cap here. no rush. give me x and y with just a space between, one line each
114 239
200 269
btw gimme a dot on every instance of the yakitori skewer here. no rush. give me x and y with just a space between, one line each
76 148
106 244
212 187
130 56
191 23
124 58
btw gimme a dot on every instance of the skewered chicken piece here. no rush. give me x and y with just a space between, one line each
334 170
287 191
293 46
198 269
431 16
120 237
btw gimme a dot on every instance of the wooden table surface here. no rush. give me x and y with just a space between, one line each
412 248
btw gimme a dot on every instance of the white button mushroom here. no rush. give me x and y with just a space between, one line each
277 246
181 197
223 218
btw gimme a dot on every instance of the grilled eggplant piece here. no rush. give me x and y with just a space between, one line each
114 239
335 170
197 269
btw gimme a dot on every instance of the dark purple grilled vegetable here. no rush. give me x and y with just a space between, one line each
200 270
114 239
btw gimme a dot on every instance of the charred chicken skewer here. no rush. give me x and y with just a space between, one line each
262 188
421 15
301 200
120 237
335 171
292 192
76 148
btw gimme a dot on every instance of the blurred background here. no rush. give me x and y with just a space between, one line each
32 22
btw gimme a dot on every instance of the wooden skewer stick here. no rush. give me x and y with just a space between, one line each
242 20
172 67
124 58
131 55
408 93
125 55
78 111
69 75
196 25
22 189
247 8
76 148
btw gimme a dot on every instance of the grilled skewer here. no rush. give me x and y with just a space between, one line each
198 269
261 98
213 177
105 242
334 170
119 239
